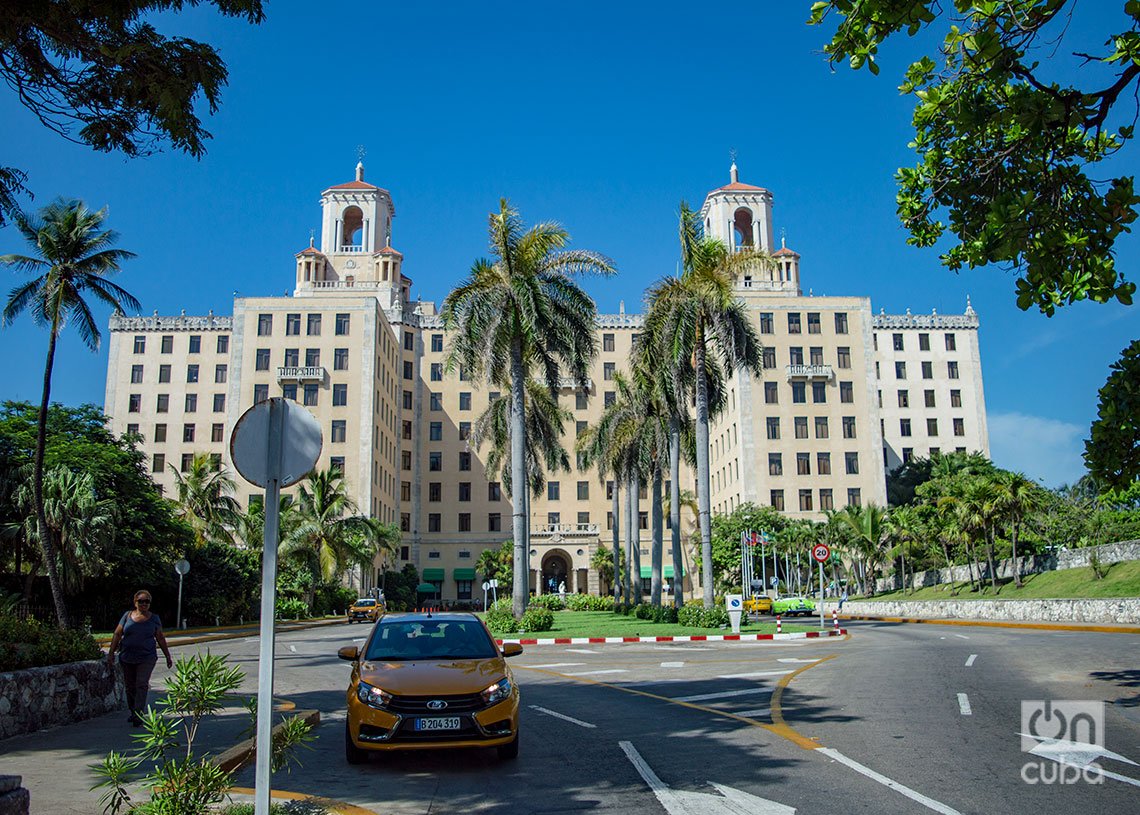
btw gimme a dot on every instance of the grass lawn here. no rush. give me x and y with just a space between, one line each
608 624
1122 580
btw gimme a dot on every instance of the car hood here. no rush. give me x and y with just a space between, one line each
434 677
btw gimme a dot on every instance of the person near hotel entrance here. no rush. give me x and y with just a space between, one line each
135 639
562 590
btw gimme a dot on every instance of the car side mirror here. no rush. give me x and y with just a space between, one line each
512 649
349 652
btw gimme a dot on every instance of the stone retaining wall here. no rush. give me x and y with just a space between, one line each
36 698
1117 610
1033 564
14 799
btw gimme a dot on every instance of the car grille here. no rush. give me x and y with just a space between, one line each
418 705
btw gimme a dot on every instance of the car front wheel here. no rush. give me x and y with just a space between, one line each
352 753
511 749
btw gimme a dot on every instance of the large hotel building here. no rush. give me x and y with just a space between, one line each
846 396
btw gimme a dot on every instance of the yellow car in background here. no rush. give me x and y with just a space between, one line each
430 681
760 604
365 609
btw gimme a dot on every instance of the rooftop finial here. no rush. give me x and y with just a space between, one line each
360 153
312 237
783 238
969 308
732 172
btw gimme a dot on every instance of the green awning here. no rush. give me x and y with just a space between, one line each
433 574
425 588
666 572
463 574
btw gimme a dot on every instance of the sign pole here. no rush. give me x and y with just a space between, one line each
821 595
262 778
179 622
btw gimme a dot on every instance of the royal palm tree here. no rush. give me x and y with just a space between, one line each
1019 498
904 528
204 500
74 258
704 322
869 525
521 310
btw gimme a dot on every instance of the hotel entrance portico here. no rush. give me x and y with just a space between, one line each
562 552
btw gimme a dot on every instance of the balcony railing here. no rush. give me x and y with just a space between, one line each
563 530
343 284
570 383
351 249
306 374
810 372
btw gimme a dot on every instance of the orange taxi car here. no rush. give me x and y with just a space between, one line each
430 681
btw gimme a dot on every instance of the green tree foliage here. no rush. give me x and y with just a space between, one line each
1007 154
726 531
203 499
1112 452
100 74
498 564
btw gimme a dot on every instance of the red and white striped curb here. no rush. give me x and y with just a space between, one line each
801 635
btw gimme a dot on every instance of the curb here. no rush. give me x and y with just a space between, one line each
1098 629
243 751
799 635
338 807
176 638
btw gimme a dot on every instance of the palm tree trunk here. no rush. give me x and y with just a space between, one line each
519 484
630 514
635 515
50 562
704 507
617 539
658 538
990 558
675 511
1013 552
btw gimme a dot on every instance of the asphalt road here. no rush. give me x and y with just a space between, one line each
689 727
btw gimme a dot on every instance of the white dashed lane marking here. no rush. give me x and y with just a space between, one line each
562 716
672 664
556 665
593 673
755 674
704 697
970 661
961 636
964 705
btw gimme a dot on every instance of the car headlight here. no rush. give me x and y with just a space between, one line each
497 692
372 695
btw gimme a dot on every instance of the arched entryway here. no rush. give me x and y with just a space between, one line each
556 570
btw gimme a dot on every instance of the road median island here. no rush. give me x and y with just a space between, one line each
1119 616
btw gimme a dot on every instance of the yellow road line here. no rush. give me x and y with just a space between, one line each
1099 629
339 807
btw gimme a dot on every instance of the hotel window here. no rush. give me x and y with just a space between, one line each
951 344
340 395
132 429
777 499
405 490
952 370
923 342
191 373
773 427
608 371
840 322
819 392
796 355
220 374
904 427
846 392
848 427
187 460
312 357
608 342
292 357
464 461
932 427
433 526
775 464
435 431
140 344
801 427
437 372
803 463
223 344
409 341
907 454
435 400
580 427
494 491
289 392
261 359
465 400
217 432
407 370
583 490
136 374
823 463
465 491
167 345
436 343
435 491
956 398
340 359
405 459
813 322
609 398
609 490
553 491
464 431
897 341
162 403
191 402
929 397
292 325
904 399
825 500
310 397
609 520
553 518
643 523
341 326
164 373
581 400
816 355
766 322
799 393
900 370
934 451
843 356
928 370
406 428
821 427
339 426
853 497
769 357
851 462
336 463
805 500
771 393
583 517
794 323
407 400
159 433
959 427
260 393
219 403
187 433
464 526
158 463
494 522
195 344
313 327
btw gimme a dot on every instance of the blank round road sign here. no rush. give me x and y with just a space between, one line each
300 443
820 552
182 567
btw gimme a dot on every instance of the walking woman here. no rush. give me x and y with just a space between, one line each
135 638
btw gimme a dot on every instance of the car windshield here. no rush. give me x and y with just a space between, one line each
366 602
430 639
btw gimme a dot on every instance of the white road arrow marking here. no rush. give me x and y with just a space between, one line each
1080 754
682 802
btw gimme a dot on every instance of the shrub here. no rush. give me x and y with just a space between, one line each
550 601
332 598
500 619
665 614
695 615
643 611
32 644
537 618
292 608
589 602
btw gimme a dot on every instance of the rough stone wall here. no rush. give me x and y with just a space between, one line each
14 799
1067 559
1117 610
36 698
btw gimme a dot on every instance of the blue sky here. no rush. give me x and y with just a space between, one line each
600 116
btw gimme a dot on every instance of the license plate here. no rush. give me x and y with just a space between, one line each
438 723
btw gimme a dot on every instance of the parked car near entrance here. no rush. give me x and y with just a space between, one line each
758 604
365 609
430 681
793 606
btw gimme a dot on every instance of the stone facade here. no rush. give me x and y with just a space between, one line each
14 799
36 698
1116 610
1034 564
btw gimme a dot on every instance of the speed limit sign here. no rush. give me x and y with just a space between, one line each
820 552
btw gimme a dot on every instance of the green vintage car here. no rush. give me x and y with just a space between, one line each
792 606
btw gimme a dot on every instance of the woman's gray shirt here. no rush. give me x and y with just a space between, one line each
138 643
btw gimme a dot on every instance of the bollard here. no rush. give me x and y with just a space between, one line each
779 626
835 618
